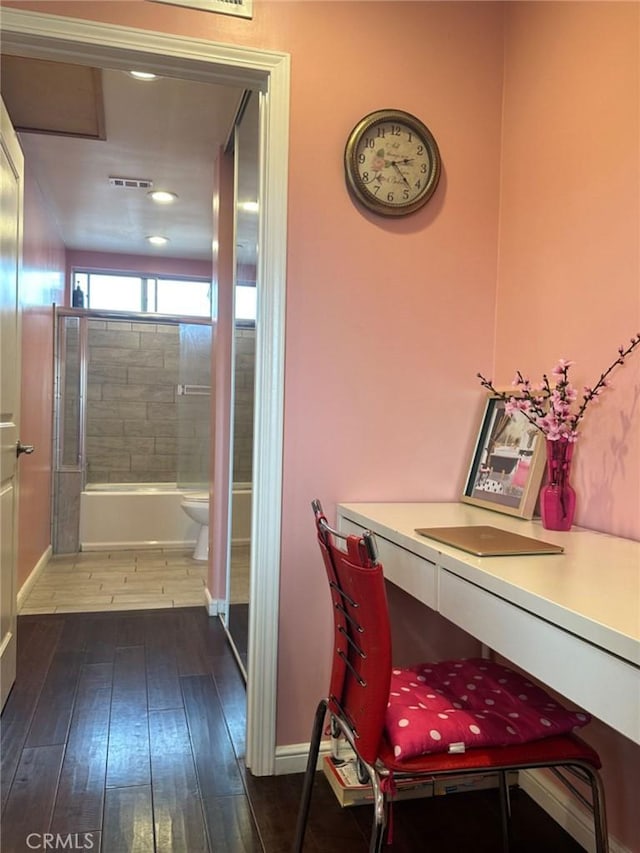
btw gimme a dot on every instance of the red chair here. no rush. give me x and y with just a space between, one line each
372 705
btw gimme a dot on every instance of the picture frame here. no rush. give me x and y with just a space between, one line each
507 463
237 8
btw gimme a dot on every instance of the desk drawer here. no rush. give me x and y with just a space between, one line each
415 575
602 683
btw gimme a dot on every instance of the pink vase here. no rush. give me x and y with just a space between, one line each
557 496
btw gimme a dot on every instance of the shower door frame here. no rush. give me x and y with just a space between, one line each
60 335
84 315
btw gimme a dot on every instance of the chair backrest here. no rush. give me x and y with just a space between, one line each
361 666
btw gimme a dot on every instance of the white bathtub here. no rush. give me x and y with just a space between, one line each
148 515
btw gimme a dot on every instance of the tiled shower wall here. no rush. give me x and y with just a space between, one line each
245 344
132 405
131 402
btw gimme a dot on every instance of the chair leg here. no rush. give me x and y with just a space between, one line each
379 811
335 737
505 811
597 806
599 813
377 835
309 776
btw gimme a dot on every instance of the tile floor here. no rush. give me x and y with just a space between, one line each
128 580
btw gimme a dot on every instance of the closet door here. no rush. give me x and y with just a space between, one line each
246 180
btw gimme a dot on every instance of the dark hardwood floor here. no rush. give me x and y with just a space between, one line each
125 733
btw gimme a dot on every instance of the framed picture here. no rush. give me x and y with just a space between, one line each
507 464
238 8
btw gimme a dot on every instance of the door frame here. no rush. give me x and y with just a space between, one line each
76 40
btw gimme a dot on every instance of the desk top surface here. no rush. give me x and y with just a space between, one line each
591 590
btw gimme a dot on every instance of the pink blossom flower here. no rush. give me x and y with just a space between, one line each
561 367
551 407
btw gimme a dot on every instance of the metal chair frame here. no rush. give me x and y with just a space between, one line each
357 673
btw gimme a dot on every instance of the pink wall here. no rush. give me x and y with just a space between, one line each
389 321
568 283
42 285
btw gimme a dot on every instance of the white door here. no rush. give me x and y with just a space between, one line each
11 194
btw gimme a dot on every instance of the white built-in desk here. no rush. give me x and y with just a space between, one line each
571 620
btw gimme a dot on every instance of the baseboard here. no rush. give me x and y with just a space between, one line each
35 573
141 545
564 809
292 758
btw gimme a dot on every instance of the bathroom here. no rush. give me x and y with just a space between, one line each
133 435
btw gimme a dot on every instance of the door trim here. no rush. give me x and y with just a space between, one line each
51 36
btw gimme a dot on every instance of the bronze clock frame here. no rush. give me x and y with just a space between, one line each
363 191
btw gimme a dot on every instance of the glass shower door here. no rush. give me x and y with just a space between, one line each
194 407
70 399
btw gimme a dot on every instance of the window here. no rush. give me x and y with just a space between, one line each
144 294
246 303
157 295
183 297
113 292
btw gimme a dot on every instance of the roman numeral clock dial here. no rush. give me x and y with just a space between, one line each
392 162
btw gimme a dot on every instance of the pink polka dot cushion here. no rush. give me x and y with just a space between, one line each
456 705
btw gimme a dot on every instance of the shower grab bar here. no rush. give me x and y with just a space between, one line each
193 390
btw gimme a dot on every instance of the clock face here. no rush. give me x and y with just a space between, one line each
392 162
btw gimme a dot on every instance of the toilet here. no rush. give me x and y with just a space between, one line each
196 506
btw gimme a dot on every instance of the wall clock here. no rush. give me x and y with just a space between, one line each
392 162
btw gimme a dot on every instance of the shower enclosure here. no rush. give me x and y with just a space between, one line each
132 429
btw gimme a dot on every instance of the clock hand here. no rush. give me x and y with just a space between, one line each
399 171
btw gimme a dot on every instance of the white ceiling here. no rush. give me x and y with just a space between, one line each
167 131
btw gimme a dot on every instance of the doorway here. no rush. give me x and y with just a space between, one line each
268 73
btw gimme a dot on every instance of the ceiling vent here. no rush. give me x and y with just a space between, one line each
131 183
239 8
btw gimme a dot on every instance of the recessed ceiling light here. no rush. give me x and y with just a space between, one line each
143 75
249 206
157 240
162 196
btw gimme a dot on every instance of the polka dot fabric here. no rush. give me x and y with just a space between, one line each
454 705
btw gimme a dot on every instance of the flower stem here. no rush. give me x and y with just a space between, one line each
549 407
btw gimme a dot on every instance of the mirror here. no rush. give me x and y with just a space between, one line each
246 194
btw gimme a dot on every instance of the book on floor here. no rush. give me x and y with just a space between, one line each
342 775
